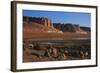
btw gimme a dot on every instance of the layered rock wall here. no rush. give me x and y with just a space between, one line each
44 21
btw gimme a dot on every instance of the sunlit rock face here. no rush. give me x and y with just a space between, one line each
44 21
43 24
40 24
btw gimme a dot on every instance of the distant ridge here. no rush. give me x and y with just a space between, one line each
45 25
39 26
68 27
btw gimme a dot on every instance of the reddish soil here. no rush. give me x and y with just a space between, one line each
32 32
29 35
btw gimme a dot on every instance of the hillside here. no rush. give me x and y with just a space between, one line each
45 24
38 27
68 27
47 41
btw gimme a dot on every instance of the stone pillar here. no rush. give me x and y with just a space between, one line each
42 22
49 23
77 27
45 22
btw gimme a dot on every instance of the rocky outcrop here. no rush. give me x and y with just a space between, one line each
43 21
65 27
77 27
46 24
39 24
71 28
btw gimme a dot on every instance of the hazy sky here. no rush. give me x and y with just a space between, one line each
83 19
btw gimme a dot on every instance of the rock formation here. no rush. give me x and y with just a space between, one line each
77 27
44 21
47 25
71 28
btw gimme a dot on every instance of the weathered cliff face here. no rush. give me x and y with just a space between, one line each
77 27
46 24
71 28
44 21
39 24
65 27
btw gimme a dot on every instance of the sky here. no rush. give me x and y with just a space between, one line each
83 19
